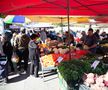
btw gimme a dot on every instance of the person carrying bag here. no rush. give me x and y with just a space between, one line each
15 58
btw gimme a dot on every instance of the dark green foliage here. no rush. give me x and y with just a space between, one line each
105 49
2 15
100 69
89 57
73 70
105 60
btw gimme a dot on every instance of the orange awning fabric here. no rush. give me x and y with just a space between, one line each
57 19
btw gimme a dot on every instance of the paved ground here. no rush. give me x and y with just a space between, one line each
26 82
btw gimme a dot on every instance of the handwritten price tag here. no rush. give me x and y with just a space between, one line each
95 63
60 59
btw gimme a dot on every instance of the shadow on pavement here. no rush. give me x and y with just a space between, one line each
17 78
46 74
50 79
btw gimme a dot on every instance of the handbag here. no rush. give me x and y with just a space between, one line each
15 58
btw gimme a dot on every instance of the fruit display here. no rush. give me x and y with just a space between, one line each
86 47
47 60
55 50
52 50
51 43
64 56
51 59
61 51
43 45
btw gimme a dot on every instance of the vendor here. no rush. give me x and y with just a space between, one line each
91 41
43 35
69 39
97 34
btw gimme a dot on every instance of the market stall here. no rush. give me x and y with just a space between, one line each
52 54
71 70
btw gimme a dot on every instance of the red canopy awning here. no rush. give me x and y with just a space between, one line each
102 19
54 7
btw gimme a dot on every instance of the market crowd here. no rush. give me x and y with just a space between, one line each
25 47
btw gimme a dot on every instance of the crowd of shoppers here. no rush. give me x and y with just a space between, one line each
27 46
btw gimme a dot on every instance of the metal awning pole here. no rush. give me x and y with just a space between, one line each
68 13
61 25
90 25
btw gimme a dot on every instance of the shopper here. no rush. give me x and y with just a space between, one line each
34 55
8 50
21 45
1 47
43 35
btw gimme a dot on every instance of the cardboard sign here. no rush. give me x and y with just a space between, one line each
95 63
60 59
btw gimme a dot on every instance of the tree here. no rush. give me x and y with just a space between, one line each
2 15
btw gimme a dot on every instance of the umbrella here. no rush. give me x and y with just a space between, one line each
16 19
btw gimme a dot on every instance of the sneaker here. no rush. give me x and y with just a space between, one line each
36 76
19 72
11 73
25 72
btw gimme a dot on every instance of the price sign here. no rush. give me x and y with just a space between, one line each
60 59
95 63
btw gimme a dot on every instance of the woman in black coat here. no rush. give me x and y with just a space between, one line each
8 51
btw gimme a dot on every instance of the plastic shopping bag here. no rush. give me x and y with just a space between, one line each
15 58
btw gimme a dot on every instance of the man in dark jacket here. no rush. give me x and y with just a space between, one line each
8 50
91 41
